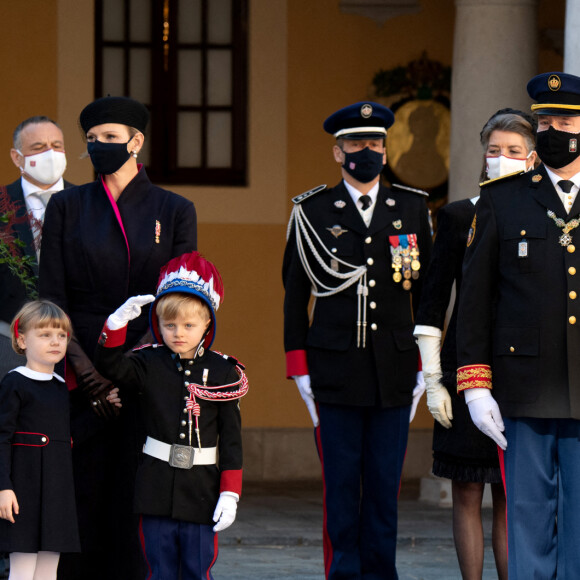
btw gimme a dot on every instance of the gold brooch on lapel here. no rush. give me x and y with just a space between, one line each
537 178
398 224
157 231
340 204
336 231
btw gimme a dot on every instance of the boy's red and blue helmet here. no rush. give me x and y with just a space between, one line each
189 274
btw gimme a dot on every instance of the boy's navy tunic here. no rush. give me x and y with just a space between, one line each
35 462
161 490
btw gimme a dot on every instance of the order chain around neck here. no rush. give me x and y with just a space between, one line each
566 238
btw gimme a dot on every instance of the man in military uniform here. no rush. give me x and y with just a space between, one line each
358 249
519 318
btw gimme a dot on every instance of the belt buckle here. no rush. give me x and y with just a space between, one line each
181 456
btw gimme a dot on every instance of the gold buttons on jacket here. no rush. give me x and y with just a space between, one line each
523 233
572 295
373 305
571 248
572 320
183 423
372 283
182 435
370 261
368 240
512 349
187 372
571 270
373 326
43 439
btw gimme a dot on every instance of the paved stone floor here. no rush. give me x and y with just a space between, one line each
278 536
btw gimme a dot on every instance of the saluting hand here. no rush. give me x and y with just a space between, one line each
128 311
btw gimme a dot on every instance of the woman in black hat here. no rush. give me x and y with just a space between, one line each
461 452
102 243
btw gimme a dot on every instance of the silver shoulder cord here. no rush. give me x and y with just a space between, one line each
358 273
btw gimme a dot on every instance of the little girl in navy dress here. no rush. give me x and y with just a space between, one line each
38 517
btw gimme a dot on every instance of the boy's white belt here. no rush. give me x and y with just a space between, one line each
165 452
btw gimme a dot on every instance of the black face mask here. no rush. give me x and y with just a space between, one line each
108 157
363 165
556 148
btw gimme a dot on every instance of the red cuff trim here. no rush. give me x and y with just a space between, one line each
473 377
296 363
112 338
231 480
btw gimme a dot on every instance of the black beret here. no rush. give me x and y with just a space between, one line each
556 93
122 110
362 120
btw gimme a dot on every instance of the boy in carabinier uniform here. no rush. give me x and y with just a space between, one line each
358 249
189 399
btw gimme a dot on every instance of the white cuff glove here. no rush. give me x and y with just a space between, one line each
303 384
417 394
128 311
485 414
225 510
438 398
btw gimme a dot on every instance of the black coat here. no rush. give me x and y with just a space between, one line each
38 470
464 439
162 490
384 372
12 292
515 312
86 268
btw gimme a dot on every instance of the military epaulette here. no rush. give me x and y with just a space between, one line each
411 189
300 198
232 360
148 345
501 177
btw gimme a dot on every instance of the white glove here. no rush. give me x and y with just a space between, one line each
128 311
225 510
417 394
485 414
438 397
303 384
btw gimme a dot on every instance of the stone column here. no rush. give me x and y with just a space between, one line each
494 57
572 39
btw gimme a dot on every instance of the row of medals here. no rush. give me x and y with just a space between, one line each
405 262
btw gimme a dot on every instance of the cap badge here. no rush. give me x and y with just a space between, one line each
554 83
366 111
340 204
336 231
390 202
573 146
537 178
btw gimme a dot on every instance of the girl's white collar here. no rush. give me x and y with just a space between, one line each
37 375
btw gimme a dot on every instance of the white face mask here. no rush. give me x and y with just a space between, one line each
502 165
46 167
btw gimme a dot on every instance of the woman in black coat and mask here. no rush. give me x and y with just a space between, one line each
102 243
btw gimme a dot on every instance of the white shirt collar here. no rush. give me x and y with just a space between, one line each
28 188
37 375
355 194
567 199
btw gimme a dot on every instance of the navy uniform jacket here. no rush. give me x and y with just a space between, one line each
383 373
161 490
12 293
521 315
90 266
